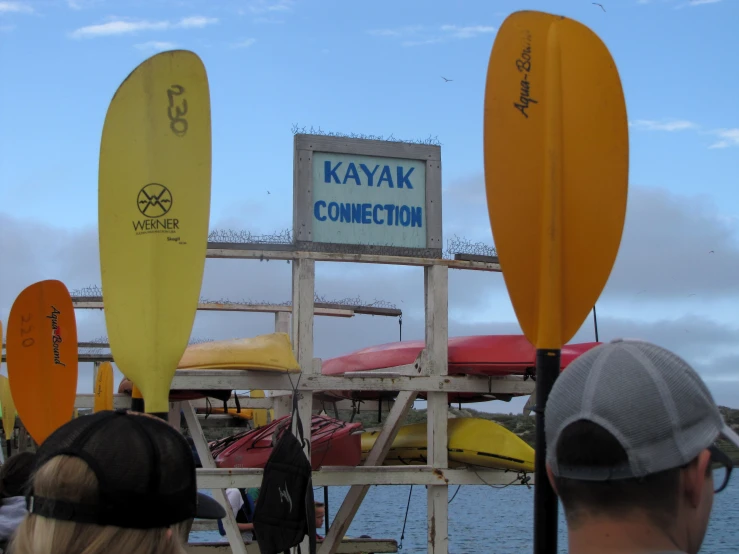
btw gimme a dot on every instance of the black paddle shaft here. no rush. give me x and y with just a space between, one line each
137 404
545 500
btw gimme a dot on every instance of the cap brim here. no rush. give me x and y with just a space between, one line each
730 435
209 508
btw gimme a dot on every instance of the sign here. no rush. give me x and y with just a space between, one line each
366 200
367 196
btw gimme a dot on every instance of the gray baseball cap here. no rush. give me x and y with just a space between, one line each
649 399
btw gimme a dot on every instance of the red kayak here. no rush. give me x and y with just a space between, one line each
333 443
490 355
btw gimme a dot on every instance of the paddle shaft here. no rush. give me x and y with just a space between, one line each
137 400
545 500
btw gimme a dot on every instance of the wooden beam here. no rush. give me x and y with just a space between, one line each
321 308
355 496
244 252
334 476
477 258
219 492
348 546
218 379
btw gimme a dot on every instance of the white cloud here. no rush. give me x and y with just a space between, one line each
246 43
396 32
670 125
82 4
729 137
156 45
468 32
270 6
124 26
417 35
701 2
195 22
15 7
663 287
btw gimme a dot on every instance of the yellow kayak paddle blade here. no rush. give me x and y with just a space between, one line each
8 407
42 356
153 212
556 169
104 388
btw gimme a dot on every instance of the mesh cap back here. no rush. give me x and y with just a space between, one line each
144 467
649 399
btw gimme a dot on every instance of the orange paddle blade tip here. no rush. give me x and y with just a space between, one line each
42 357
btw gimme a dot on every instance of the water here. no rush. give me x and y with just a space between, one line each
483 519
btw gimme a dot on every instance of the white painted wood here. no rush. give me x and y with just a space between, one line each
87 401
304 290
436 285
95 369
530 403
344 517
206 459
365 147
282 322
229 307
368 475
281 406
214 379
304 277
348 546
433 203
174 416
244 402
239 252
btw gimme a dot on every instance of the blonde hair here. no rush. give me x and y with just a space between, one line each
69 478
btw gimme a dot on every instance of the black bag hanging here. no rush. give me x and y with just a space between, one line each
285 510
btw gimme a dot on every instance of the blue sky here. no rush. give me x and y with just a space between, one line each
375 68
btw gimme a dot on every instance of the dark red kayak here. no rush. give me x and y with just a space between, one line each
333 443
490 355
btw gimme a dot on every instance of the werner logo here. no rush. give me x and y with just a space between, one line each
56 336
153 202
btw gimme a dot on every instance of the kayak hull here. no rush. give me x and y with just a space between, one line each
333 443
471 442
484 355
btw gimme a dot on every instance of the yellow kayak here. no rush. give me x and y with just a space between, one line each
471 442
271 352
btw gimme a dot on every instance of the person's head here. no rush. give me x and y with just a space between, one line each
15 473
112 482
630 430
320 514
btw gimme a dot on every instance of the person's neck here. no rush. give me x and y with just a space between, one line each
635 535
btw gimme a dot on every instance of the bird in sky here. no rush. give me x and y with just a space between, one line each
601 6
447 80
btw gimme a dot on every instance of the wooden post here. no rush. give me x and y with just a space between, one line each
282 403
175 414
376 456
206 459
436 284
95 369
304 290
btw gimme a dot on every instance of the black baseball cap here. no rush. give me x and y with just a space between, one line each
144 467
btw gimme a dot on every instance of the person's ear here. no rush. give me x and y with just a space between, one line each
552 482
695 477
